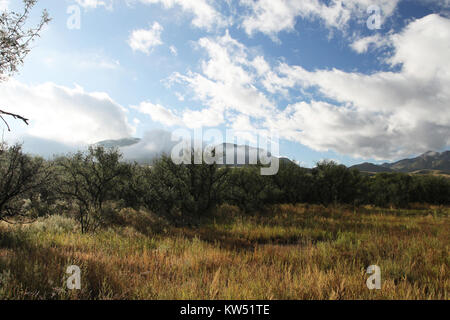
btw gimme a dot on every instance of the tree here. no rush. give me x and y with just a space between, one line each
89 179
185 192
15 41
248 189
22 178
335 183
294 183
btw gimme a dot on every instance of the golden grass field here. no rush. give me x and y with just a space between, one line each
289 252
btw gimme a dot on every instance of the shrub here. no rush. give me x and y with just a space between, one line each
22 179
183 193
90 179
55 224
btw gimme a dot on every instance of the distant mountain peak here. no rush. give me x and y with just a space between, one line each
430 160
124 142
241 152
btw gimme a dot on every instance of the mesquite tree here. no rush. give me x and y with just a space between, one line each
88 180
22 177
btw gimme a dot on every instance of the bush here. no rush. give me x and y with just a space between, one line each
88 180
55 224
23 179
183 193
333 183
246 188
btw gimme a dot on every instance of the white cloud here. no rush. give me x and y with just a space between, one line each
93 4
145 40
423 48
152 145
64 115
227 82
376 41
189 118
384 115
158 113
209 117
205 15
273 16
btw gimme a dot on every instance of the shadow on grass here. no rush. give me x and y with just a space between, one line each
34 271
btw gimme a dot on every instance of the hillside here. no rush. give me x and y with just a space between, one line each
241 152
428 161
436 162
431 161
370 167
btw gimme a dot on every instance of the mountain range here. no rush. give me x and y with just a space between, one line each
147 152
427 162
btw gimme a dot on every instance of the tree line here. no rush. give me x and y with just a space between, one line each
86 184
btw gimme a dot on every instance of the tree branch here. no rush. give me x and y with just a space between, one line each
15 116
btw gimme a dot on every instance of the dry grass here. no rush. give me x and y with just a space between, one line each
293 252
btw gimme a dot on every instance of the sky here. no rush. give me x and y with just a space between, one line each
345 80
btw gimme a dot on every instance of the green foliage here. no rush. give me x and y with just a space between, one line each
94 185
248 189
293 182
335 183
23 180
399 189
88 180
183 192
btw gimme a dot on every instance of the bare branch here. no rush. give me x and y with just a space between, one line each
15 116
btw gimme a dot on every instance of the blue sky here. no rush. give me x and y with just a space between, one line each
310 70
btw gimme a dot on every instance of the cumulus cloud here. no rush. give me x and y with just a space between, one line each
226 83
189 118
62 115
205 15
383 115
273 16
362 45
93 4
204 12
146 39
158 113
422 48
